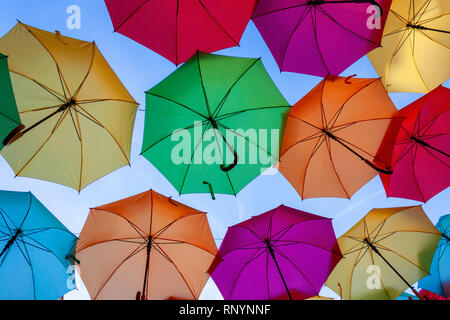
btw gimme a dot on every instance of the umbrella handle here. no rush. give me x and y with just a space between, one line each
210 189
418 295
13 135
231 166
384 171
347 80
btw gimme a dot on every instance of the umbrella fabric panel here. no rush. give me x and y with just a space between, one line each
96 128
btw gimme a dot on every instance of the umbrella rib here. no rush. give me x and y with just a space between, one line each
267 274
413 160
61 77
80 137
436 158
314 24
40 109
32 270
51 91
166 256
218 24
248 140
105 99
352 273
180 104
286 229
299 22
127 240
297 268
58 123
87 73
192 156
133 253
411 45
250 260
176 32
222 102
202 84
233 114
251 231
335 117
328 144
346 29
304 243
279 10
131 15
316 148
171 134
109 132
3 214
223 160
164 229
171 241
423 9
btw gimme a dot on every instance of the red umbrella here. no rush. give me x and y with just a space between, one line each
421 155
177 29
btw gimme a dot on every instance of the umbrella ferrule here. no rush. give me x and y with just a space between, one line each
370 244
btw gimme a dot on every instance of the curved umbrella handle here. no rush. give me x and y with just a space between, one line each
384 171
347 80
13 135
225 168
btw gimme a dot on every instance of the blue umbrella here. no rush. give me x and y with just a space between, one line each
36 250
439 279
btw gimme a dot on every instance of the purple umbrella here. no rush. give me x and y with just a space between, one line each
281 254
320 37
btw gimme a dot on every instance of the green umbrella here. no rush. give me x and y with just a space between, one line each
9 116
214 124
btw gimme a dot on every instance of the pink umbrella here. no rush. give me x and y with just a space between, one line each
320 37
421 158
281 254
177 29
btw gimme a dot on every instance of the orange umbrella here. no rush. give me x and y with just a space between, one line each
145 247
339 123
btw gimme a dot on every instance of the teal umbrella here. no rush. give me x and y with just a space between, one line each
36 250
439 279
9 116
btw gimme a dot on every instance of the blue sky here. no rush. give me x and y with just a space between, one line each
140 69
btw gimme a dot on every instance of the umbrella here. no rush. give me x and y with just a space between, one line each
428 295
78 116
384 254
338 137
145 247
214 124
414 56
9 117
177 29
281 254
320 37
36 250
421 157
439 279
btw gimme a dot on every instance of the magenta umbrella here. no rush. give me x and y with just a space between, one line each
320 37
281 254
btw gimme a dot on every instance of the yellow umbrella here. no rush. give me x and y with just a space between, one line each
414 55
78 116
384 254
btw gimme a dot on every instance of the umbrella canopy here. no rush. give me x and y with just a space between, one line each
281 254
439 279
320 37
384 254
78 115
216 122
421 156
9 116
145 247
36 250
177 29
339 123
415 55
